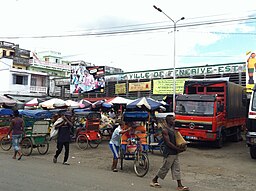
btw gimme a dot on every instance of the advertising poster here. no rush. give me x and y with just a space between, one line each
251 69
165 86
139 86
87 79
120 88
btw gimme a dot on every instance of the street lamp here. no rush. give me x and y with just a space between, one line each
174 50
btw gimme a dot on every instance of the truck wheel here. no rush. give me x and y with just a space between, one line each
237 137
219 142
253 152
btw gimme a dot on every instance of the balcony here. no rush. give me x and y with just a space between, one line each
49 65
22 61
38 89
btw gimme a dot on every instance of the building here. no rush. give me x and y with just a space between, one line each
18 79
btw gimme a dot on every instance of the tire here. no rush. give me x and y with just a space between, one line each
43 148
6 143
253 152
82 142
94 143
26 146
219 142
141 164
237 136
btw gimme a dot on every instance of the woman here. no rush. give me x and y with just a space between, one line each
16 127
114 143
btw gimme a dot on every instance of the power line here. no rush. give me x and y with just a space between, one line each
139 30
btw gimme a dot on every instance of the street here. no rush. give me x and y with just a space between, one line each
203 169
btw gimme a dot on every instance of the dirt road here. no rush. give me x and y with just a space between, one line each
203 168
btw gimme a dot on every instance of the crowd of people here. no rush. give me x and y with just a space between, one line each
64 122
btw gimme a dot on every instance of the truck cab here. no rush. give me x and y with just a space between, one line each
251 125
210 110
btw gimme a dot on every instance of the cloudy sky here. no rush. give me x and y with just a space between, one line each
132 35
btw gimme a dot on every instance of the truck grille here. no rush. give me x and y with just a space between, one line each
193 125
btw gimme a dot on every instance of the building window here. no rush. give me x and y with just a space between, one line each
33 82
21 80
57 60
46 59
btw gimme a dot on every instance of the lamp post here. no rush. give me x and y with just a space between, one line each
174 50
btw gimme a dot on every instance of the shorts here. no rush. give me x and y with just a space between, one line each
16 139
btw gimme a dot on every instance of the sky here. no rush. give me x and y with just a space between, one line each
132 35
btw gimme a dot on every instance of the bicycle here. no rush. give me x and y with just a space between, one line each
138 154
6 143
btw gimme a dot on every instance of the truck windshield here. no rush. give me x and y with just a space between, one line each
194 108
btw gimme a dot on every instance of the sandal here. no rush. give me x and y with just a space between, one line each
20 156
155 185
183 188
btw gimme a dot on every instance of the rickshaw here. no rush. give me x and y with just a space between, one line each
134 143
155 132
5 119
36 131
87 128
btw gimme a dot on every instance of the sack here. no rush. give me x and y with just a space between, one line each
54 132
179 139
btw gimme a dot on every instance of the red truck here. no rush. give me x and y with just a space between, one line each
211 110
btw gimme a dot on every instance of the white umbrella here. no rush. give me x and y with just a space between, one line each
72 104
53 103
7 101
120 100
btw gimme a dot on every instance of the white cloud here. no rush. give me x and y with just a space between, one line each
131 52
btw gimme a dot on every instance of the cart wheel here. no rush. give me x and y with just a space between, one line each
141 164
94 143
26 146
6 143
43 148
82 142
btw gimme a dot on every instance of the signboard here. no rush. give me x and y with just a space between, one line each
180 72
165 86
139 86
87 79
251 69
120 88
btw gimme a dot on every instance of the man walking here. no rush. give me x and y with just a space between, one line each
170 154
63 136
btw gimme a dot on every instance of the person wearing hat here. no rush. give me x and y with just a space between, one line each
63 136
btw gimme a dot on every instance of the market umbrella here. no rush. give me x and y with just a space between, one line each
5 101
53 103
119 100
34 102
72 104
84 103
146 102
